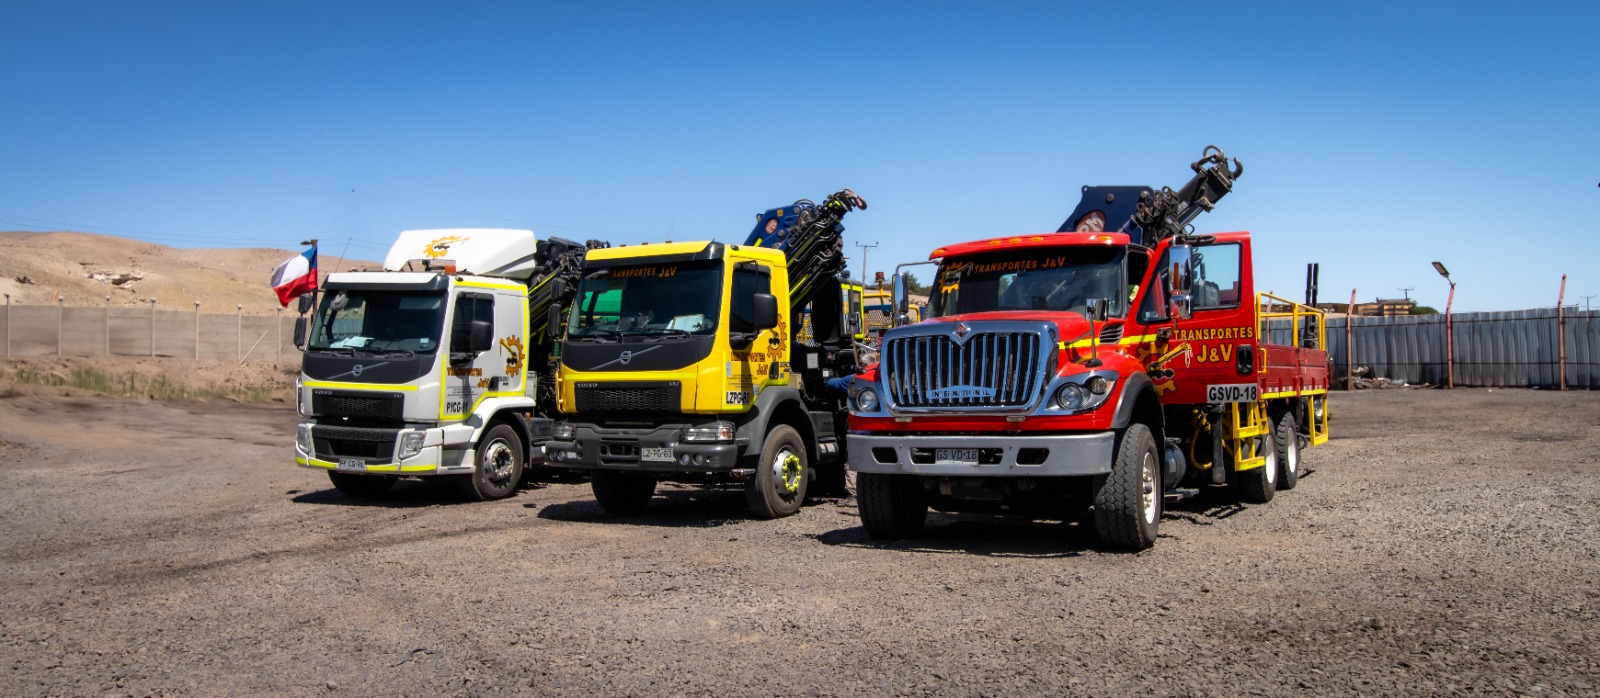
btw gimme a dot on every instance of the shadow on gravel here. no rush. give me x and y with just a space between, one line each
406 494
988 537
672 507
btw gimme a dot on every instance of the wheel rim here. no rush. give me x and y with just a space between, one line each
1291 456
1147 486
786 471
1271 465
498 460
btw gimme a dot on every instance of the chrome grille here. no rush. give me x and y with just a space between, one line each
990 369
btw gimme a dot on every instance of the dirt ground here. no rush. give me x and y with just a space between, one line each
1443 543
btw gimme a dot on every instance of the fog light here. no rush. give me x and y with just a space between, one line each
683 459
562 431
302 438
1097 385
699 459
411 443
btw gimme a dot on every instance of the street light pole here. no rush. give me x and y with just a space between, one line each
197 329
61 309
108 325
8 325
152 328
1449 330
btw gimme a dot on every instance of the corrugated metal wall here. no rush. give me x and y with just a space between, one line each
1514 348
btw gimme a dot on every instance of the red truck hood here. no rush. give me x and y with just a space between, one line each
1070 327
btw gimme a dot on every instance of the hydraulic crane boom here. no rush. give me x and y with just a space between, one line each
811 238
1148 215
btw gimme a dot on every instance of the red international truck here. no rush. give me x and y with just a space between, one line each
1103 369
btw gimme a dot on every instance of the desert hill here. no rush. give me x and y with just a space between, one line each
84 268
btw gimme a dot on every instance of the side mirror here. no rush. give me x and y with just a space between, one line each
480 338
1097 309
300 331
902 297
765 315
304 304
558 288
552 320
1180 281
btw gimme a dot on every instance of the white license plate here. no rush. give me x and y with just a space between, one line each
352 464
955 456
656 455
1237 392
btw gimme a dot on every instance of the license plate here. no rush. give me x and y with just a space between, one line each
955 456
656 455
352 464
1237 392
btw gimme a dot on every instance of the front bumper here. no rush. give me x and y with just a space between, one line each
999 456
443 452
596 447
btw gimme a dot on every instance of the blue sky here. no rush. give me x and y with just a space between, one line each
1376 137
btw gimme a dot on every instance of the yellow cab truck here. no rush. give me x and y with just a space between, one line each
680 362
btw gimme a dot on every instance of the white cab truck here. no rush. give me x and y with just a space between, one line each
433 366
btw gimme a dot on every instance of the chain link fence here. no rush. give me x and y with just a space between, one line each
35 330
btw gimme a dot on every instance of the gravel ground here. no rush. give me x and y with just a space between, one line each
1441 543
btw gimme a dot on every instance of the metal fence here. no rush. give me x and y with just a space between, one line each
51 330
1514 348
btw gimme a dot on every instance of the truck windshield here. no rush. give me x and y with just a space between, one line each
675 299
378 321
1061 280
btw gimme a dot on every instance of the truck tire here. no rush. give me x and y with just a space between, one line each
361 486
621 492
779 485
498 470
1286 441
891 506
1256 485
1127 505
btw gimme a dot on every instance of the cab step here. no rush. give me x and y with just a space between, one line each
1180 494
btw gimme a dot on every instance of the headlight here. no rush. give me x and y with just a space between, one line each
714 432
1097 385
1070 396
302 438
867 400
411 443
562 432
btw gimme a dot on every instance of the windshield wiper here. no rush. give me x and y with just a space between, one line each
344 351
407 353
671 332
595 334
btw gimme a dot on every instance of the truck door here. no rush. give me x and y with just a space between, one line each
1220 334
752 367
470 375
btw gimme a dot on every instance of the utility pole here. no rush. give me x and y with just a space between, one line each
108 325
1586 303
1407 292
1561 334
864 248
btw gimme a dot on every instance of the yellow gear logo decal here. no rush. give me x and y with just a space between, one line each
512 346
440 247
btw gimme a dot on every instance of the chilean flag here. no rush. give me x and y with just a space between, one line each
296 276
